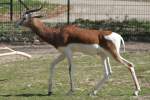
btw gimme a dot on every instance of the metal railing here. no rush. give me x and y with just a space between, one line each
135 16
84 10
10 4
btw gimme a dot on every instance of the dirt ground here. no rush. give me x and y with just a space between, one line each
42 51
48 49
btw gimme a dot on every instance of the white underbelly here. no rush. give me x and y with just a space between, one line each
90 49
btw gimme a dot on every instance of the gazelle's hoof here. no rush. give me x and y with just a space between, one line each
49 93
136 93
70 93
93 93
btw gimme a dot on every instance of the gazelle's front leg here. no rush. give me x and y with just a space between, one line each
68 53
52 72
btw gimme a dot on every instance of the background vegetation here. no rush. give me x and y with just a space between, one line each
131 30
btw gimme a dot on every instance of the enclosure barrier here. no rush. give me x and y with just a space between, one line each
11 8
130 18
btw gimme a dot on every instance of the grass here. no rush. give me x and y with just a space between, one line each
27 79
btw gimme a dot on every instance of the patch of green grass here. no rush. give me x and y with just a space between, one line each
28 79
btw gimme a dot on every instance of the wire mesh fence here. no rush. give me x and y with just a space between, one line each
130 18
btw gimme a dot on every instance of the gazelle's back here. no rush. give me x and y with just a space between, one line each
80 35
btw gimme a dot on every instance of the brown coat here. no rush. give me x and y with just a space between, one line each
67 34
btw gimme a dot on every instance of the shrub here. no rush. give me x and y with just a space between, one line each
131 30
10 34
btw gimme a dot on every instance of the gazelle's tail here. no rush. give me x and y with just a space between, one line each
117 40
123 44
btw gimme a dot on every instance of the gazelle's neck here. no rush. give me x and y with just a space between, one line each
38 27
43 31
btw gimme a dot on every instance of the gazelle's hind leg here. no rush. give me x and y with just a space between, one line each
105 78
131 69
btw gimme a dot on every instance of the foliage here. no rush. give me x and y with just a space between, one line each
10 34
131 30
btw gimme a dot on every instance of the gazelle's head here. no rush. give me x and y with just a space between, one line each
27 16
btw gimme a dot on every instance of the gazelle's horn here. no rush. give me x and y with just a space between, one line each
34 10
24 4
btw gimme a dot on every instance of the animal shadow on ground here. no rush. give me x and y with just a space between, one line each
23 95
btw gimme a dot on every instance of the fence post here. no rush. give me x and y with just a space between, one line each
68 12
20 9
11 10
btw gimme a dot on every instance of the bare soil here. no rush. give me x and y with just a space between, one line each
38 51
48 49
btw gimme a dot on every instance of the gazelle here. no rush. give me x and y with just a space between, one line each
71 38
